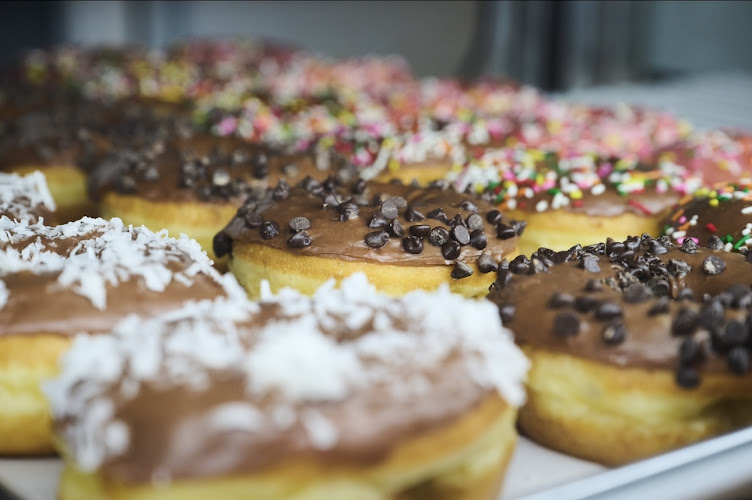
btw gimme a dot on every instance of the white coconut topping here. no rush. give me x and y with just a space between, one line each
106 253
299 353
21 196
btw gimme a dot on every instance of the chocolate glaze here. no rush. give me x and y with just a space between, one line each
528 302
333 237
712 217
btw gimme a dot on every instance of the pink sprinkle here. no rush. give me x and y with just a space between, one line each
227 126
682 219
681 240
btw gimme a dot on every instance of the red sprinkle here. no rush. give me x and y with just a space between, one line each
711 227
578 203
639 206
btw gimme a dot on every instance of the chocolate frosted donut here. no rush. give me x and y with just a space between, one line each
347 394
26 198
194 185
720 217
568 200
84 276
402 237
637 347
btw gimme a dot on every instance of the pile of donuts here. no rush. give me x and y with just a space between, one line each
239 269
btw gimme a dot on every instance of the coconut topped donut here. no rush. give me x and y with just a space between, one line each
641 303
723 213
85 275
204 168
375 222
344 376
25 197
535 180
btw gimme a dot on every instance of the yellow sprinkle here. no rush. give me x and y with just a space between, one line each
576 195
394 165
713 194
713 202
704 192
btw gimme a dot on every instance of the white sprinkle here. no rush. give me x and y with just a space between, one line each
747 210
322 433
541 206
598 189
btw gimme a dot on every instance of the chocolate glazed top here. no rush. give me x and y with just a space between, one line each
639 303
373 222
213 393
205 168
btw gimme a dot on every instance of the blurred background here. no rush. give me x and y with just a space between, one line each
552 45
556 46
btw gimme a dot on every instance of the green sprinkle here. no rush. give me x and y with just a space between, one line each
740 242
728 239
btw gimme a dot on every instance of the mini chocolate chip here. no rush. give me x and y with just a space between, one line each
486 264
712 314
412 244
503 277
399 202
507 311
469 206
614 248
520 265
494 217
518 226
359 187
665 240
738 360
632 243
330 200
715 243
377 221
660 287
377 201
457 220
713 265
661 306
590 263
566 324
461 270
347 210
460 234
655 247
538 266
689 351
389 209
299 240
474 222
269 229
395 229
736 334
678 267
438 236
636 293
298 224
260 166
253 220
438 214
687 377
689 246
412 215
585 303
741 296
614 333
685 294
560 299
281 191
685 322
478 239
420 230
593 285
377 239
505 232
608 310
310 184
451 250
222 244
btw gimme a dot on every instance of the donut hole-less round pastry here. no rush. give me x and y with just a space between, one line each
637 347
404 238
390 399
56 282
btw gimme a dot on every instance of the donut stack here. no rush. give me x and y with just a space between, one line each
356 205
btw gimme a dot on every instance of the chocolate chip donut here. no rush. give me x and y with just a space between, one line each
84 276
637 347
402 237
409 398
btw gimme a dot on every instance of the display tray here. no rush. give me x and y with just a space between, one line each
719 468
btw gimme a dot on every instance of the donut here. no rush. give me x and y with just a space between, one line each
194 185
719 217
406 398
403 238
84 276
26 198
637 347
574 200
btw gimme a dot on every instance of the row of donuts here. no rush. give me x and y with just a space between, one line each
345 394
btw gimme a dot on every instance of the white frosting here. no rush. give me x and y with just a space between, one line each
20 196
299 357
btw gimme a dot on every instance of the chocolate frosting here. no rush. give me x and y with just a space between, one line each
703 217
340 216
544 309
